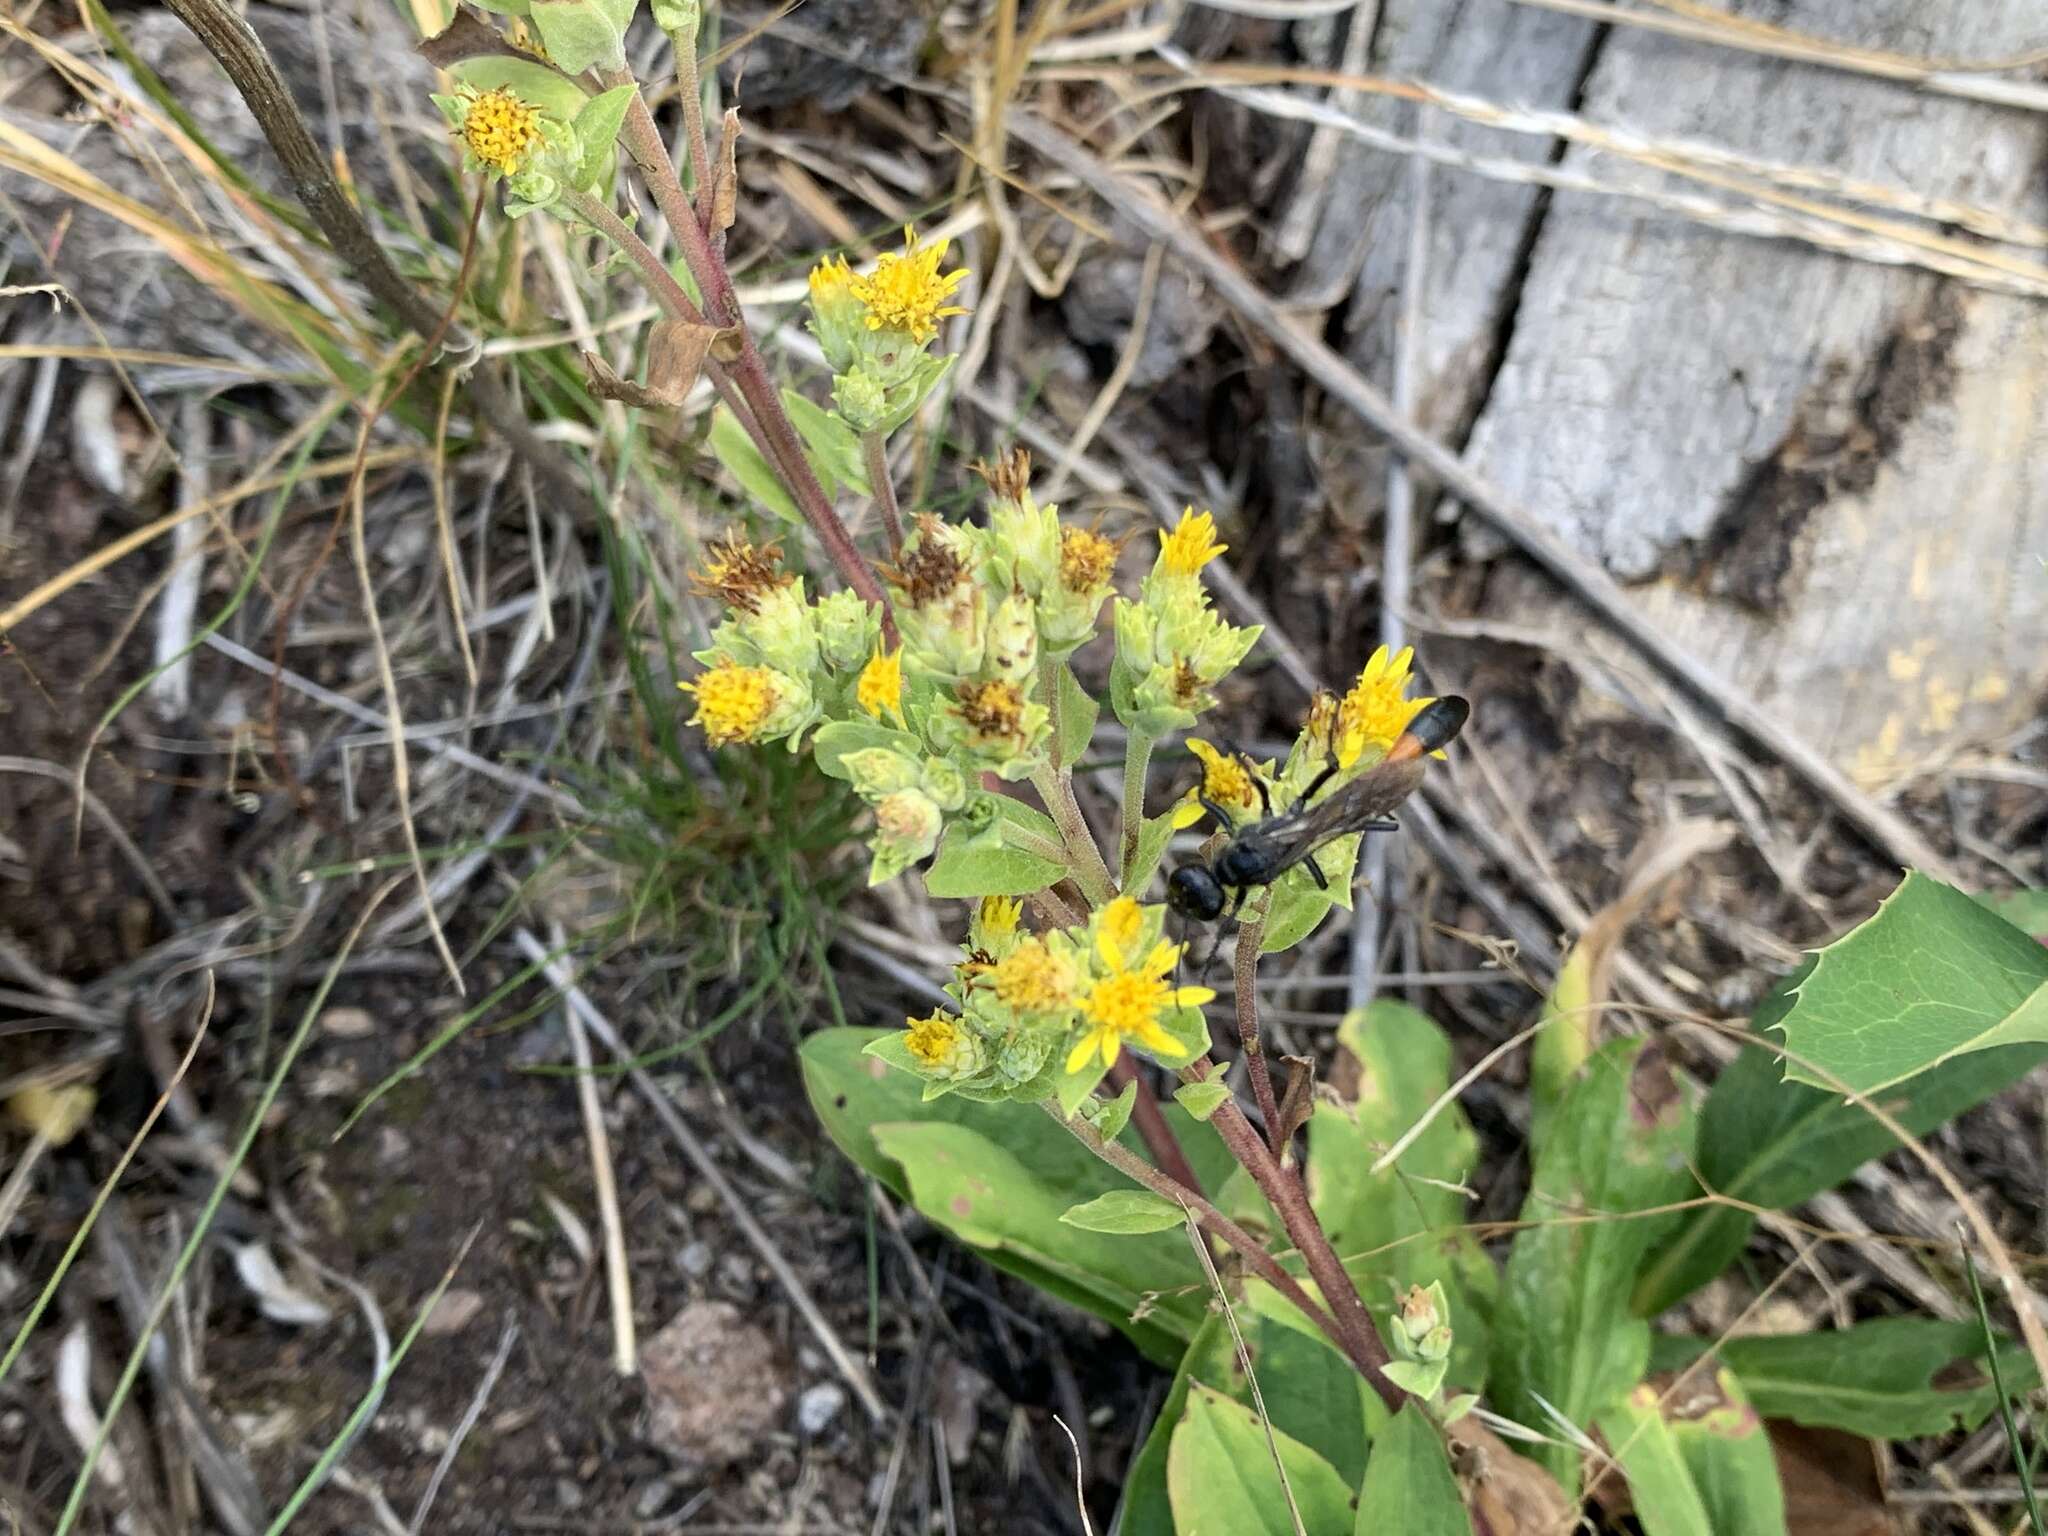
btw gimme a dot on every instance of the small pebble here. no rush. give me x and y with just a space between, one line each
819 1406
347 1023
653 1498
568 1493
696 1258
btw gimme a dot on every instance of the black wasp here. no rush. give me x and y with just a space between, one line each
1264 851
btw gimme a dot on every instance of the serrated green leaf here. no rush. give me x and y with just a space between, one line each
1401 1227
1078 711
830 444
831 744
966 870
1123 1212
1409 1487
1201 1099
1220 1475
1698 1463
597 131
1931 977
530 80
854 1094
745 463
1619 1144
1771 1143
1894 1378
1298 904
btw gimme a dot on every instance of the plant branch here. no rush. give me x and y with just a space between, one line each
1055 787
1360 1338
1167 1153
778 440
241 54
876 447
1245 968
1207 1217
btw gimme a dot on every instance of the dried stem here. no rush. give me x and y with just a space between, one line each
876 446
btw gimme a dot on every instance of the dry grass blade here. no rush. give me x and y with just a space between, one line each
618 1276
1753 36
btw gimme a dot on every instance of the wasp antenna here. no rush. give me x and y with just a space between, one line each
1434 729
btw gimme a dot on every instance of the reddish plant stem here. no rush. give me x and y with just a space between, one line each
781 444
1150 1120
1210 1220
1359 1337
1245 967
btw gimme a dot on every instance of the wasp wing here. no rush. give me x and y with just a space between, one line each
1357 807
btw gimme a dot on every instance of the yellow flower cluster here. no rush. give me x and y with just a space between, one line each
906 291
733 701
501 130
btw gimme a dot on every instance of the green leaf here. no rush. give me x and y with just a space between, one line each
1564 1333
1153 837
2025 910
1895 1378
1931 977
1698 1462
1125 1211
1771 1143
597 132
831 744
1408 1483
1419 1378
744 462
965 869
855 1095
1220 1475
1078 711
1401 1227
830 444
1566 1040
1298 904
1116 1112
1201 1099
583 34
530 80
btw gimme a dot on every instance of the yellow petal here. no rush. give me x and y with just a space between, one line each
1188 811
1160 961
1193 997
1077 1058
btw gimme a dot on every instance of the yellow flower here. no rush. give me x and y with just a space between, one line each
1191 545
881 684
501 130
1087 559
1032 979
831 279
733 702
1129 1002
1374 713
1117 931
930 1040
1000 916
1225 780
907 293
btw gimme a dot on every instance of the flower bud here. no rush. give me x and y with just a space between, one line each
1012 649
876 772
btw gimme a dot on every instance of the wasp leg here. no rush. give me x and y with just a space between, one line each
1381 824
1316 783
1322 880
1223 818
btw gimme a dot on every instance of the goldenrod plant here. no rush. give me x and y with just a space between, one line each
1345 1349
